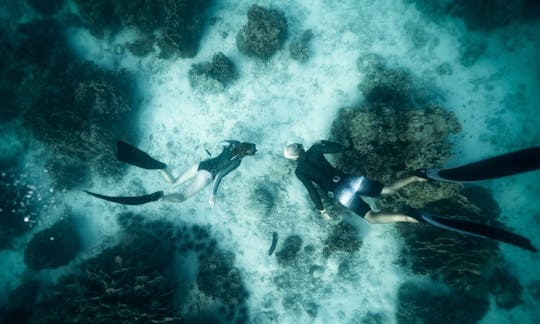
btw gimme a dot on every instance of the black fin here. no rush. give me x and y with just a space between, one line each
274 243
478 230
496 167
137 200
130 154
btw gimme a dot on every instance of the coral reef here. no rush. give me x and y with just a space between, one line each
424 303
127 282
389 132
481 15
343 238
53 247
218 281
393 86
213 76
49 7
98 16
382 140
183 27
74 107
175 25
300 49
464 263
79 114
264 33
77 109
290 248
389 135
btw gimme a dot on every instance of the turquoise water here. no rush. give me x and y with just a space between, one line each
76 76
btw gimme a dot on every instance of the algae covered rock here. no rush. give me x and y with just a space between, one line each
264 33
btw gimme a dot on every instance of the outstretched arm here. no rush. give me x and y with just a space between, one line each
313 194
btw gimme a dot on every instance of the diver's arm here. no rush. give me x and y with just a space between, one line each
235 163
329 147
313 194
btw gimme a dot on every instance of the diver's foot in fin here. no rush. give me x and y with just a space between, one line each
130 154
475 229
422 174
136 200
496 167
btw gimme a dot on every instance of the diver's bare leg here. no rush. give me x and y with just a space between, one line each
392 188
385 218
202 179
190 173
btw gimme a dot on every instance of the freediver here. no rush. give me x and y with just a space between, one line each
201 174
313 167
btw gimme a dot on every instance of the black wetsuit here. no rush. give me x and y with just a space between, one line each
314 168
222 164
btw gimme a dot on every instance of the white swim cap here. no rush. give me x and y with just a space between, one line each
292 151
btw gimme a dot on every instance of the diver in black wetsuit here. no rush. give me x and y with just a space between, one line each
212 169
347 189
312 167
201 174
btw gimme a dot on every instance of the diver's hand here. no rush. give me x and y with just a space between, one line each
212 201
325 215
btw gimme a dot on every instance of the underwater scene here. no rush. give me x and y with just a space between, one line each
217 161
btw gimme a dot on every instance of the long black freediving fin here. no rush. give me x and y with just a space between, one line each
475 229
130 154
137 200
496 167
